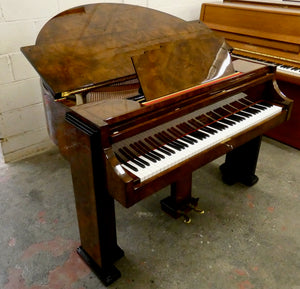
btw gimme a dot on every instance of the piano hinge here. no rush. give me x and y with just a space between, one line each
65 94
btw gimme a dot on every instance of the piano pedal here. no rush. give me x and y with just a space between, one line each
194 206
197 209
176 210
187 219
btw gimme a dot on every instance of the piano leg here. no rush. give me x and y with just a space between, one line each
181 201
240 164
106 250
95 207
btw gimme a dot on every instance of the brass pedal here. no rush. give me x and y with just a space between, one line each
186 218
194 206
196 209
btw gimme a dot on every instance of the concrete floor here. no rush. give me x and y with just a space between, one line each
247 238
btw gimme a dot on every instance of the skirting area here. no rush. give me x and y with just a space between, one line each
248 237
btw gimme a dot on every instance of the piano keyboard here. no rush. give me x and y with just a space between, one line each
154 151
294 71
285 69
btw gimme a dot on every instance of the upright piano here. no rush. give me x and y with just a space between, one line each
136 100
269 32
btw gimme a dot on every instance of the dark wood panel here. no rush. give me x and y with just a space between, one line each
289 131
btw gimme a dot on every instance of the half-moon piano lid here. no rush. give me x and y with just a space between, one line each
94 44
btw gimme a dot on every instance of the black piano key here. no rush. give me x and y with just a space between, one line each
243 114
213 115
184 128
194 123
206 127
150 156
185 138
175 140
165 141
161 145
135 156
208 130
155 155
161 149
235 117
197 134
131 159
222 112
251 110
204 119
213 118
189 140
218 126
136 148
265 103
259 107
237 105
125 163
170 139
246 101
227 121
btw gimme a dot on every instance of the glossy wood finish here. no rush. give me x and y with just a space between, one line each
262 32
182 64
268 31
128 190
56 124
87 132
274 3
97 41
94 206
289 131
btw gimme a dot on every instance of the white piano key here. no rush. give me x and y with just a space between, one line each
193 149
288 70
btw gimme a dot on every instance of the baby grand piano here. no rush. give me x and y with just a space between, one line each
137 100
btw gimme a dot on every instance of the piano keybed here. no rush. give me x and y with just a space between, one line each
154 151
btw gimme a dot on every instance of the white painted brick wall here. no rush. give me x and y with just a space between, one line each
6 74
22 122
187 10
19 94
14 10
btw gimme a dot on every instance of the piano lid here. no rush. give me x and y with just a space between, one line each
93 44
182 64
